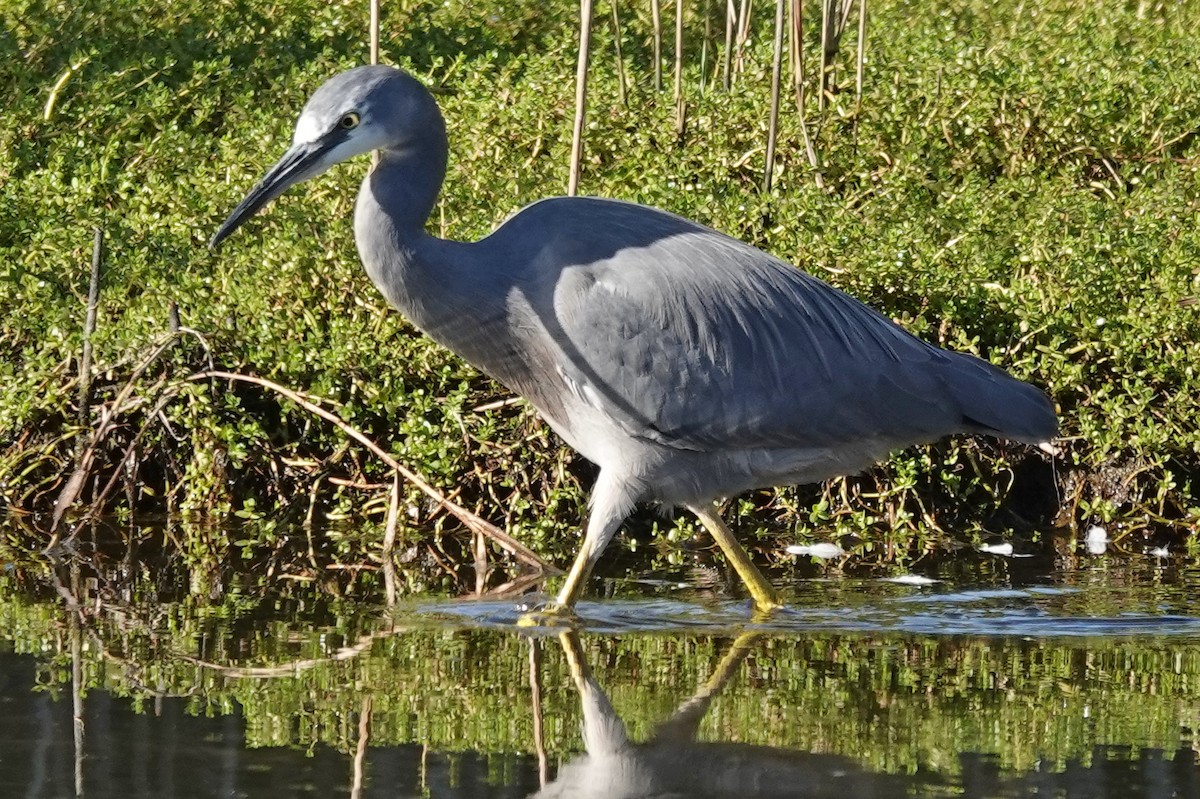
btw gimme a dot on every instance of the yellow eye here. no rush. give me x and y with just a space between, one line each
349 121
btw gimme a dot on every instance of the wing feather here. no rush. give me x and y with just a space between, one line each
696 340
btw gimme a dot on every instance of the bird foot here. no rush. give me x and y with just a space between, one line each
549 615
766 609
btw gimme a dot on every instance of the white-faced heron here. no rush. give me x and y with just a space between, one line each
687 365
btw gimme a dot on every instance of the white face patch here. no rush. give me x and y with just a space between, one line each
307 130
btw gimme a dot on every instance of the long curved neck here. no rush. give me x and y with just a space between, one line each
394 202
410 267
405 182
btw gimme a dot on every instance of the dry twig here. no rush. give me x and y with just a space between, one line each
473 522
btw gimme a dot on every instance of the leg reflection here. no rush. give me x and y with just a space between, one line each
673 762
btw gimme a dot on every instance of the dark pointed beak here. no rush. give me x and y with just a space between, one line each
301 162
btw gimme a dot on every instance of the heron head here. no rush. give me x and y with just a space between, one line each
355 112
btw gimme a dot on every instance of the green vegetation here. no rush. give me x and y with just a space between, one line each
1020 182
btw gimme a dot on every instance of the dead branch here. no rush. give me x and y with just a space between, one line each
473 522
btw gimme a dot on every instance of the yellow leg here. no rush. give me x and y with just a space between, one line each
577 578
561 612
765 597
612 499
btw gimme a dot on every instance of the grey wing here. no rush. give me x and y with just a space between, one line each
698 341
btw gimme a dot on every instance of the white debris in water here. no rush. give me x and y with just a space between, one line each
1096 540
910 579
1004 550
1160 552
823 550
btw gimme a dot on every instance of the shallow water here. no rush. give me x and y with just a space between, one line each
1003 679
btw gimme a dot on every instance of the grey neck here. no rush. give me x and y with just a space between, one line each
396 199
405 182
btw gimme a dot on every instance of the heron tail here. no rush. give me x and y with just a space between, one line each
995 403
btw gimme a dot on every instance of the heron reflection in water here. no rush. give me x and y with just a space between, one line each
674 763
